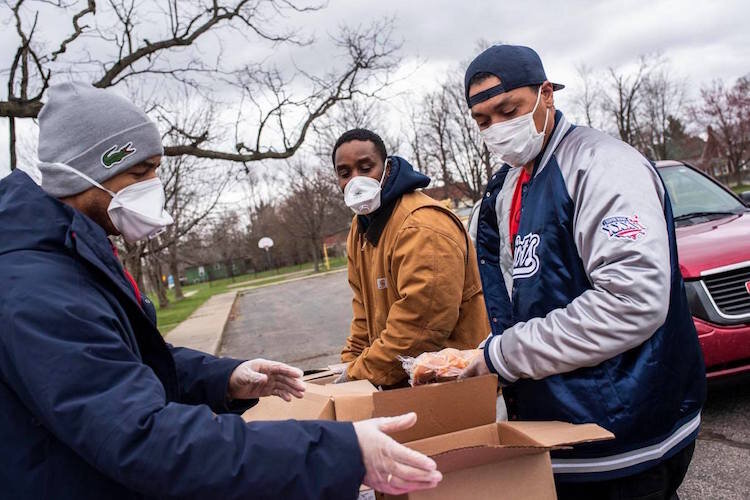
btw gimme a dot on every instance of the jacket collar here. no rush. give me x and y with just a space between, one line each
89 241
559 131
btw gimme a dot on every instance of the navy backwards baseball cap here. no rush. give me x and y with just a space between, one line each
515 65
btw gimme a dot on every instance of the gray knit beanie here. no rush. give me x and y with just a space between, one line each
95 131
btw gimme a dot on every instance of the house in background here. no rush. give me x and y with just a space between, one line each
453 196
712 162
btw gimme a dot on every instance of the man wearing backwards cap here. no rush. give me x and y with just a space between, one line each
94 403
578 261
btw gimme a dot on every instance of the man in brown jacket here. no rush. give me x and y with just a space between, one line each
411 265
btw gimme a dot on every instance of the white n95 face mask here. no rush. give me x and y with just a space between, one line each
516 142
137 211
362 193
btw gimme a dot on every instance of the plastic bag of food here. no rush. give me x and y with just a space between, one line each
441 366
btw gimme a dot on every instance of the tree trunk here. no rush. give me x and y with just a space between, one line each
155 276
133 264
314 249
136 270
487 162
230 269
174 270
12 144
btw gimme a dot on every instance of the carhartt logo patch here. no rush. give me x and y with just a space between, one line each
116 154
382 284
624 228
525 259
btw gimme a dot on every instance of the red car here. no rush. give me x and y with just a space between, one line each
713 242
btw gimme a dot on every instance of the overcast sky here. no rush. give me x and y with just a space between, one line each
703 40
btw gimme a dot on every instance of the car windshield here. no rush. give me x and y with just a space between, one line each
693 193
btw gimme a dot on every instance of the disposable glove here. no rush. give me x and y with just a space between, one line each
343 377
260 377
477 367
390 467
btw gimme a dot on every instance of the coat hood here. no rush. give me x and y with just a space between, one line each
402 179
30 219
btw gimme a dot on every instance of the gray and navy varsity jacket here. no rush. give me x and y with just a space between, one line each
589 317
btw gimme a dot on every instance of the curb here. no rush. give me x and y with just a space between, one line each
204 329
241 291
261 281
220 337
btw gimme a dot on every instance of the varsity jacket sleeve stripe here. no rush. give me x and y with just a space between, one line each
621 236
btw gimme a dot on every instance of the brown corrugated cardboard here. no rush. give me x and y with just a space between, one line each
441 408
456 426
437 405
512 457
318 402
321 377
311 407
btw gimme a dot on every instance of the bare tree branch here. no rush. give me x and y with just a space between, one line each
77 29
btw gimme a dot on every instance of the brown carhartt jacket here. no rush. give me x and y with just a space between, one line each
416 289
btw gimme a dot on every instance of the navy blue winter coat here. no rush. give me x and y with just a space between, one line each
96 405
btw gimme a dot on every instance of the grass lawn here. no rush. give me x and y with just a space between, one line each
741 188
178 311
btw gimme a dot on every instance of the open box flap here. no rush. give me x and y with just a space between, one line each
485 435
553 434
464 458
441 408
320 375
334 390
311 407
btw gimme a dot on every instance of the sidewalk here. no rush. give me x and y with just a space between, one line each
204 329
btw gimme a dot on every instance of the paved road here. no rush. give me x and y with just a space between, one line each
721 465
305 323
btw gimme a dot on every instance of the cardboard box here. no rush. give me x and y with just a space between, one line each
319 402
508 457
456 427
440 408
322 377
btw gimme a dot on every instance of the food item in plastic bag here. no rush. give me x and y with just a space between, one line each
440 366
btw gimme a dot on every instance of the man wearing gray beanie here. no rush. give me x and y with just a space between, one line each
94 131
95 403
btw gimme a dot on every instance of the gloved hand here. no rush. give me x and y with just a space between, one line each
392 467
477 367
260 377
343 377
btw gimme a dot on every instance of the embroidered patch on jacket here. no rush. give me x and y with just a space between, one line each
525 259
382 284
624 228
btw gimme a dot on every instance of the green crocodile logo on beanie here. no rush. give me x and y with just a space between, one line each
113 155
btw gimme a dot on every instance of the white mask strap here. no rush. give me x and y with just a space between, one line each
546 113
77 172
385 169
